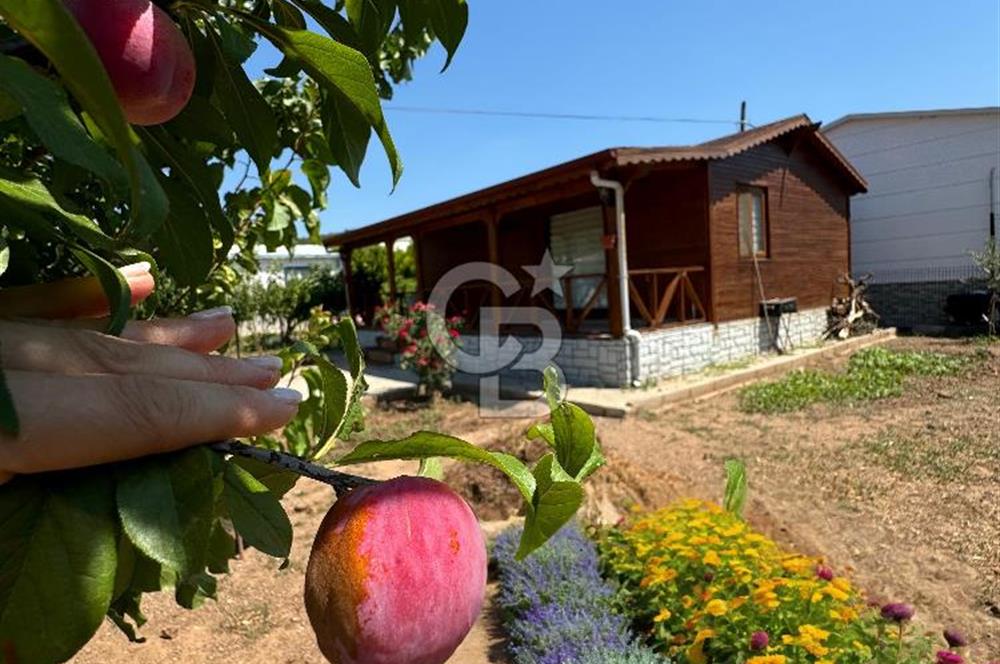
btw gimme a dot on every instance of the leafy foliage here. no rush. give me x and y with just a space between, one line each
988 261
736 487
872 373
704 586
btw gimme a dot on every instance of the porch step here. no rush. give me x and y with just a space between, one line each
376 355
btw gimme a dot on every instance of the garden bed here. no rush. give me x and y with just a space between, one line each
901 493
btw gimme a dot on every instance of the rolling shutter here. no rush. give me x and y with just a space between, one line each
575 239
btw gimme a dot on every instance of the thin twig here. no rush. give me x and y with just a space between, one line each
341 482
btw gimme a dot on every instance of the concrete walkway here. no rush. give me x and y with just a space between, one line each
386 383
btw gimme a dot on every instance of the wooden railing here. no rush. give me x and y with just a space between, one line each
574 320
670 295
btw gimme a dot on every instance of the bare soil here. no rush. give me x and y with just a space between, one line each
902 493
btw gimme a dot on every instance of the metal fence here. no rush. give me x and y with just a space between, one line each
929 296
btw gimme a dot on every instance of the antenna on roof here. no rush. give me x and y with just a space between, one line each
743 116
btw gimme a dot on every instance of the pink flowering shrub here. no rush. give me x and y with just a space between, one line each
426 341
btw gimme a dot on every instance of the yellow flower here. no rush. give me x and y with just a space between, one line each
716 607
703 634
767 659
711 558
664 614
687 601
841 584
813 632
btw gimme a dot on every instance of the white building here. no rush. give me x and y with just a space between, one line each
933 188
305 257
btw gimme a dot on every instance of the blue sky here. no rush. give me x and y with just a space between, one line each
663 58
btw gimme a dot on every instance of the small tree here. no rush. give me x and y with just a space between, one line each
988 261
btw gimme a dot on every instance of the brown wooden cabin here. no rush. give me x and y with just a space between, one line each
700 220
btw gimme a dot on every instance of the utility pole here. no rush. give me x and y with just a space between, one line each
743 116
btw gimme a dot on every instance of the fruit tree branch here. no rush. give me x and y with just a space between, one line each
341 482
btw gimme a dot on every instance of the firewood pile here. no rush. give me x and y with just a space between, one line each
852 316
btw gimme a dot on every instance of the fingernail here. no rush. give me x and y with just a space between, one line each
286 394
135 269
215 312
269 362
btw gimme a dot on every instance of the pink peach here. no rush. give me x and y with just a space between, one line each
396 574
145 54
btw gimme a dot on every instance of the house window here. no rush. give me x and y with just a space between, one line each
752 204
575 239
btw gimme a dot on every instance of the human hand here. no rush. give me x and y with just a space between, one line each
84 398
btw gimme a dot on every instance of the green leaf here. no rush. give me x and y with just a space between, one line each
245 109
185 240
735 496
201 121
542 431
256 513
192 592
277 480
573 435
336 394
4 255
187 168
47 111
319 180
166 507
431 467
338 27
347 133
125 607
425 444
114 283
24 195
354 419
557 498
51 28
57 563
371 20
449 19
221 547
339 70
9 108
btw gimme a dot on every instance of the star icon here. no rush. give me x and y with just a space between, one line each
547 274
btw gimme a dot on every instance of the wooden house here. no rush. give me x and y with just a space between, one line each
671 249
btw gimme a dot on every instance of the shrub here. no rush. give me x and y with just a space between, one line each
872 373
426 341
557 607
703 585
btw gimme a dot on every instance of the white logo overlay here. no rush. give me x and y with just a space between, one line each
520 359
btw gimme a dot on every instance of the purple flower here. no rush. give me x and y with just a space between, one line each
948 657
955 638
759 640
824 572
897 612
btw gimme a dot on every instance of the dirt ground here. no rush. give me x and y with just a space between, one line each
903 493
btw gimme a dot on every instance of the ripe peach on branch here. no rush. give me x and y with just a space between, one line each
145 54
396 575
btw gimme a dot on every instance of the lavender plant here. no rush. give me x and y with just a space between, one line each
557 607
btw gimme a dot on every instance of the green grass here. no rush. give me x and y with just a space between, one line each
873 373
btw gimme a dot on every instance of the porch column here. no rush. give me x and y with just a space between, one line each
416 239
616 321
493 253
345 258
390 261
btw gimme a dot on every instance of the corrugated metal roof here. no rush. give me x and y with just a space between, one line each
912 115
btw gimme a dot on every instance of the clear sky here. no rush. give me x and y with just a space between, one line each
664 58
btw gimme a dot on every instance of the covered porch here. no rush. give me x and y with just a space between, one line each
558 235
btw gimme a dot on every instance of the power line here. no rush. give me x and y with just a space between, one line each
918 190
865 220
557 116
934 163
921 142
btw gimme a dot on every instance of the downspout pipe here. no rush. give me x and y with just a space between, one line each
630 335
993 199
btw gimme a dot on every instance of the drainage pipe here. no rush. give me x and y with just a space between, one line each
993 215
623 295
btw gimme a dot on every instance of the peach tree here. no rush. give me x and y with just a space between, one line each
105 162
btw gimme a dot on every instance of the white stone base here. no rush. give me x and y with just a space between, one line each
604 361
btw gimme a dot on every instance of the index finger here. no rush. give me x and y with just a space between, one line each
77 297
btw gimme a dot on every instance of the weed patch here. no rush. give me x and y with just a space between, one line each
872 373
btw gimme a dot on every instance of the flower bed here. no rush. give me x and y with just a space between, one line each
705 587
557 608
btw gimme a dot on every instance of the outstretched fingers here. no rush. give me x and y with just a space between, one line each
105 418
